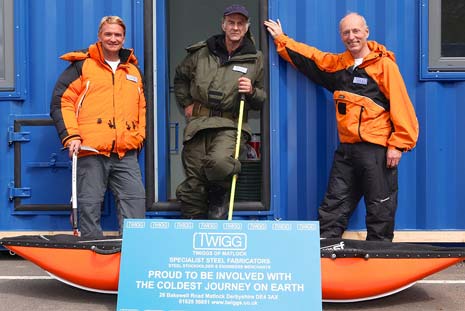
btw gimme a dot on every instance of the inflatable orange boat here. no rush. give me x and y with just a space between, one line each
350 270
354 270
87 264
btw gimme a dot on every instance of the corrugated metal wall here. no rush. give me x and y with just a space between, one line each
56 27
44 30
304 132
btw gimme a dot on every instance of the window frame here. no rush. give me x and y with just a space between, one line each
432 65
7 79
20 18
159 203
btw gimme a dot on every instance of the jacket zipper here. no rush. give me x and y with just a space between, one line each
82 98
360 123
114 112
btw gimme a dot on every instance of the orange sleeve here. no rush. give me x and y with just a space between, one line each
402 112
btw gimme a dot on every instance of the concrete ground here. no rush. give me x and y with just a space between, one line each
24 286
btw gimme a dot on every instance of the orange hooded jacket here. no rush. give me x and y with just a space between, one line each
372 103
105 110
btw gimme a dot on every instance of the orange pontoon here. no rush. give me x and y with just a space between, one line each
350 270
87 264
354 270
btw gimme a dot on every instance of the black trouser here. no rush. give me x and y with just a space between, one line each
360 170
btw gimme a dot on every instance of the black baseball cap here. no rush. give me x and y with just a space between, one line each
236 9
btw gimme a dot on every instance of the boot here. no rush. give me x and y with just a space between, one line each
190 212
218 202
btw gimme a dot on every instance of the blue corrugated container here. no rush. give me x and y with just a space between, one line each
302 131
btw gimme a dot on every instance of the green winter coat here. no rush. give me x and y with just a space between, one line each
208 76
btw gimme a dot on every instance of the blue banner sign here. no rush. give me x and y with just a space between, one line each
195 265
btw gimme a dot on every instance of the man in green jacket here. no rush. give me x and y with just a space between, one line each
208 85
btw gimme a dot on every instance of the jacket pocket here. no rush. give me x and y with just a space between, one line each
359 118
215 98
131 140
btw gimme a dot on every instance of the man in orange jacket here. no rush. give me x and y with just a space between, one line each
376 124
98 102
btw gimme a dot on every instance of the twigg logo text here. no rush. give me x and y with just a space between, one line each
219 241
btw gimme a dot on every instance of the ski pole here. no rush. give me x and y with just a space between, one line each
74 208
236 155
74 195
